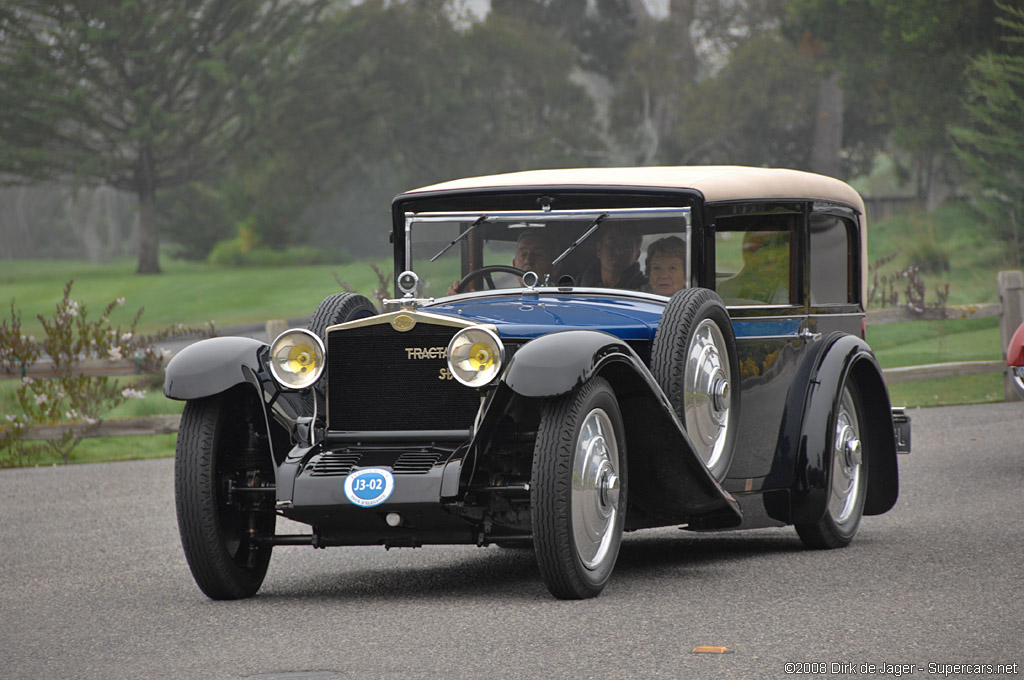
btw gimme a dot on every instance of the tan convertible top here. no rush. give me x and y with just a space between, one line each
715 182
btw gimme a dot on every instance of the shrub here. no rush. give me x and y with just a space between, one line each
236 252
68 397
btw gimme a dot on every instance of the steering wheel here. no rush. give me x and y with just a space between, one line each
485 274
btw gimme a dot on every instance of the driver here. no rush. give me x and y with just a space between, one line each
534 253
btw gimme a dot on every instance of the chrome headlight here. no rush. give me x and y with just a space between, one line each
297 358
475 356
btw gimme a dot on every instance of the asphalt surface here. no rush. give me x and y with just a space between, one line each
93 584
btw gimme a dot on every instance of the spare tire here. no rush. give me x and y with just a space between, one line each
339 308
335 309
694 361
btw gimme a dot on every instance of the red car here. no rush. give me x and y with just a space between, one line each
1015 356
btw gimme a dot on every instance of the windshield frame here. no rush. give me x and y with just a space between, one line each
605 215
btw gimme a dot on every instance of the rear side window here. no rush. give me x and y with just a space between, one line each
832 260
753 261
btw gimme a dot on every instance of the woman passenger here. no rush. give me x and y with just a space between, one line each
666 265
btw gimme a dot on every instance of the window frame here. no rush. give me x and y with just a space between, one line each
799 212
855 285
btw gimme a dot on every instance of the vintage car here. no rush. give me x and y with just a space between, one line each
571 354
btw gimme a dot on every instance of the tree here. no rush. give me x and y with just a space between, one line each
991 143
141 94
758 109
392 95
903 67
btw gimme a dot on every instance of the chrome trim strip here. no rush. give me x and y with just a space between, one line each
589 213
551 290
770 338
360 436
418 316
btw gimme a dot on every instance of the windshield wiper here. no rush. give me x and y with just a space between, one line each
461 236
590 230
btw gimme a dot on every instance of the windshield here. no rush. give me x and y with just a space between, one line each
640 249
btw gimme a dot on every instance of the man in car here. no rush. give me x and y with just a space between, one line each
617 265
534 253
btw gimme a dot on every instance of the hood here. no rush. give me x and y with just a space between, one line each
533 315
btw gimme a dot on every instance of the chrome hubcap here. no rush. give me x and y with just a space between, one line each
707 389
847 459
595 488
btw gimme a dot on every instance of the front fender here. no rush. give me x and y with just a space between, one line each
842 357
211 366
557 363
669 483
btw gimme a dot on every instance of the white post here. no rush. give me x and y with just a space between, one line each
275 327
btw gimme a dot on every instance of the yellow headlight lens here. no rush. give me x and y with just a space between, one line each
475 356
297 359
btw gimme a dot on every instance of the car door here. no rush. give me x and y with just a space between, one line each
759 267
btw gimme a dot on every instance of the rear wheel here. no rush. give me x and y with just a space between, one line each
849 474
221 463
578 490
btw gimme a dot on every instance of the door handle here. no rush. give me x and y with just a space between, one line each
808 336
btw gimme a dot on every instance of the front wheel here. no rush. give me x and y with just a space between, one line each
848 489
220 465
578 491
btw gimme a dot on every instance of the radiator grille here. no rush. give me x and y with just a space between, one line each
334 464
376 383
341 463
415 463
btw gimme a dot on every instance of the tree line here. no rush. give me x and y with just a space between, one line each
239 125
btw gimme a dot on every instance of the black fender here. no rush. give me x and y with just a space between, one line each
805 441
209 367
212 366
669 483
557 363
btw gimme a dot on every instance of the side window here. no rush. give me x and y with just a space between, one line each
753 260
832 260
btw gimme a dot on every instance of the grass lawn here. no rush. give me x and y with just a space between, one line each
109 449
932 342
950 234
968 389
188 293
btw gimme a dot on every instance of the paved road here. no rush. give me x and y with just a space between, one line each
93 585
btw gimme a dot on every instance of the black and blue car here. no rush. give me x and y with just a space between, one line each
570 355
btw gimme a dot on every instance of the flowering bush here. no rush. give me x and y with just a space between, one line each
69 397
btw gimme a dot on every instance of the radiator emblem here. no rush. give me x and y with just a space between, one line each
403 323
425 352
